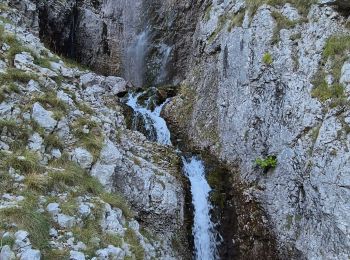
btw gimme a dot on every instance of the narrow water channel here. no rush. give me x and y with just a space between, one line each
203 229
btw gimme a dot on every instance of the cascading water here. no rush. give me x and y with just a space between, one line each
203 228
157 130
152 119
135 59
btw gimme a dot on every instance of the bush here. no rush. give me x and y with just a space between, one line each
270 162
267 58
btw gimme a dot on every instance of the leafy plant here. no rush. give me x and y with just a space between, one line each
267 58
270 162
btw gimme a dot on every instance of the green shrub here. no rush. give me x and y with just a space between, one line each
270 162
267 59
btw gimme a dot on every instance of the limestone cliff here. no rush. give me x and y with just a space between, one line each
272 80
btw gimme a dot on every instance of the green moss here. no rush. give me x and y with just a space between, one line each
302 5
220 25
282 23
236 20
207 13
324 92
270 162
50 101
117 201
336 45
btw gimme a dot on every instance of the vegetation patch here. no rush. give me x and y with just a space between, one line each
303 6
28 218
26 162
16 75
89 135
336 52
267 59
270 162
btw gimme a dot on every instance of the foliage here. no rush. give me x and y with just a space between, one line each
267 59
270 162
26 161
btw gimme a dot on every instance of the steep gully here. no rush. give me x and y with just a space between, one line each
149 44
204 233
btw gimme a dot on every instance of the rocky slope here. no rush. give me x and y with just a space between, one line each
74 181
257 79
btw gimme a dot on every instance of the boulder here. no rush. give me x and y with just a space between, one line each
43 117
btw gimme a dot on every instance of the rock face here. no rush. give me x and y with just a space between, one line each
95 33
251 93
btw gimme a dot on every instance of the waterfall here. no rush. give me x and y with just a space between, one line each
135 59
152 119
203 228
165 51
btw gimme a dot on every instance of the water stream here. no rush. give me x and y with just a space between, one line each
203 229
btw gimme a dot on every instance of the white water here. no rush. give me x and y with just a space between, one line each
135 59
203 228
152 119
165 52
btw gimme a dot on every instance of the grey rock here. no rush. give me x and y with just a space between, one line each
65 221
6 253
31 254
111 252
75 255
53 233
82 157
112 220
56 153
35 142
84 210
53 209
43 117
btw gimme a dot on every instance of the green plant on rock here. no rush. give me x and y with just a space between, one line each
270 162
335 52
267 58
